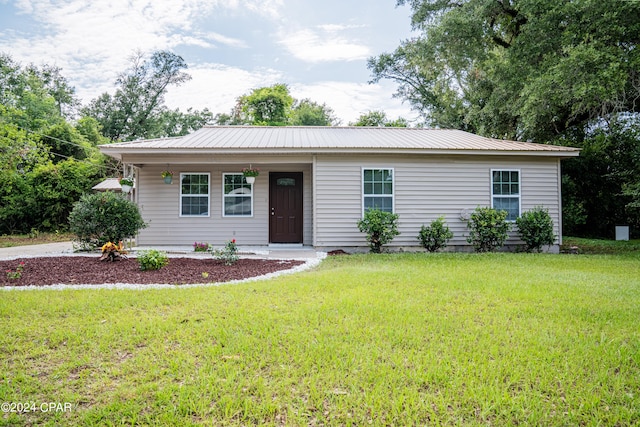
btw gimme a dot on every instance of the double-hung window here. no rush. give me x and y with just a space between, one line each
377 189
237 195
194 194
505 192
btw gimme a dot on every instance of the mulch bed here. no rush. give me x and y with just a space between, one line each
72 270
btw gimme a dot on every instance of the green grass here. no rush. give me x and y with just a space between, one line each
600 246
35 238
411 339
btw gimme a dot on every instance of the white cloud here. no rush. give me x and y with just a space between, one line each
327 44
350 100
217 86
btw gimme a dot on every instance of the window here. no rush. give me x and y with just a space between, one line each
505 192
194 194
238 195
377 189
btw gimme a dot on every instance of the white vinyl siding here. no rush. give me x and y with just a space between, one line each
505 192
377 189
194 194
425 187
237 195
158 204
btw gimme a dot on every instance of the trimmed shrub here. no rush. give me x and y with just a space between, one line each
435 236
488 229
104 217
381 227
535 228
152 259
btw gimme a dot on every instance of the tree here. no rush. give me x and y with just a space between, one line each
265 106
177 123
379 119
491 66
132 112
310 113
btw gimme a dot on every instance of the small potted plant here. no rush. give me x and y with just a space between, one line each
126 184
167 176
250 174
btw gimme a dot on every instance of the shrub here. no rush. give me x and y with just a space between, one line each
381 227
535 228
228 254
488 229
435 236
152 259
104 217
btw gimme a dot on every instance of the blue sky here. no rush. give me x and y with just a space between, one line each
318 48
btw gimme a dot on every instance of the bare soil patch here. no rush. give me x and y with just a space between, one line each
87 270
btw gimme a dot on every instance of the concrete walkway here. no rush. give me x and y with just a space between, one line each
66 248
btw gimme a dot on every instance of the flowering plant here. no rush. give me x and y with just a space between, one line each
250 171
166 173
228 254
16 274
111 251
200 247
126 181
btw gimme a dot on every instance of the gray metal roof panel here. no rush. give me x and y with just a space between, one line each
267 138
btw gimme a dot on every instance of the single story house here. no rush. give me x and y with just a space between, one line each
316 182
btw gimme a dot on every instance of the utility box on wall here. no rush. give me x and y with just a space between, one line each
622 232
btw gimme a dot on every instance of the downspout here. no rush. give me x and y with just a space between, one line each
559 202
313 202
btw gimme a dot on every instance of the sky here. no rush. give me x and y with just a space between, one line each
318 48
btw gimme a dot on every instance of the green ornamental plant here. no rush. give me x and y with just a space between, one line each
381 227
488 229
152 259
104 217
535 228
435 236
126 181
228 254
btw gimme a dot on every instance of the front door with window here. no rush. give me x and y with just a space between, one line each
285 207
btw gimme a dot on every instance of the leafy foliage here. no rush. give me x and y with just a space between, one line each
381 227
266 106
535 228
379 118
152 259
228 254
435 236
488 229
104 217
310 113
135 110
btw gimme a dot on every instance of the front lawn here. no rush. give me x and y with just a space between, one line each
411 339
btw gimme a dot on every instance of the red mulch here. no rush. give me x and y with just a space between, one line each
90 270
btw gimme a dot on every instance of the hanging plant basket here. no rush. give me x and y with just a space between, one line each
126 184
167 176
250 174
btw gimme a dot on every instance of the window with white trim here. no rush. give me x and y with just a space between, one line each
237 195
194 194
377 189
505 192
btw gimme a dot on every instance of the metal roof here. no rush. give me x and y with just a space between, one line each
333 139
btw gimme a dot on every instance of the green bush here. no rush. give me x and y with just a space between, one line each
535 228
488 229
152 259
104 217
435 236
381 227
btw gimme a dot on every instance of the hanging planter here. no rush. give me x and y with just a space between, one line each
167 176
126 184
250 174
